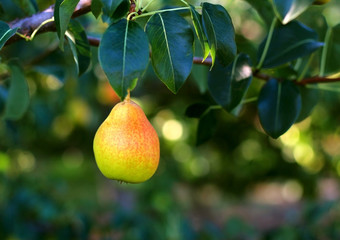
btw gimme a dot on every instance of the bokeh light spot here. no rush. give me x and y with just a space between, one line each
4 162
291 137
26 161
292 191
172 130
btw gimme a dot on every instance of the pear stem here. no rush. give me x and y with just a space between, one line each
127 98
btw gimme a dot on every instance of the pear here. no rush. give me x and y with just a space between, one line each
126 146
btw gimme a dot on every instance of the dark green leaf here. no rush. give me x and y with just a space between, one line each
332 48
57 63
63 11
219 31
171 40
206 127
282 72
228 85
200 75
5 33
28 6
287 10
79 45
288 43
3 98
264 9
114 10
309 98
197 21
279 106
18 95
96 7
196 110
123 54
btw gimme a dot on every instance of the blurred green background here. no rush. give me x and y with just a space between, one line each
240 184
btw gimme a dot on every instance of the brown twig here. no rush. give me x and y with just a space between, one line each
28 25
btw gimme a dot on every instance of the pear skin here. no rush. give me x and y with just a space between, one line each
126 146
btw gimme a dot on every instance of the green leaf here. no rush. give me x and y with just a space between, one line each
96 7
199 74
331 50
288 43
197 21
18 95
206 127
309 98
279 106
3 98
264 9
171 40
114 10
123 55
196 110
228 85
79 45
219 31
28 6
57 63
287 10
5 33
63 11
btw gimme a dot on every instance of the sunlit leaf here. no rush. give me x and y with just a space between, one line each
79 45
279 106
5 33
197 21
63 11
123 55
219 31
171 40
288 43
18 95
228 85
287 10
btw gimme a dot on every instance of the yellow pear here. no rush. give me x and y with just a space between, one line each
126 146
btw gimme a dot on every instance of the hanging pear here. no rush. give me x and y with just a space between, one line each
126 146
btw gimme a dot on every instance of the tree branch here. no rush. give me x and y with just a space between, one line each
28 25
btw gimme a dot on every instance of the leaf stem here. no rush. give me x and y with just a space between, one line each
42 24
304 71
130 14
266 47
324 88
249 100
160 11
185 2
30 38
147 5
324 52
